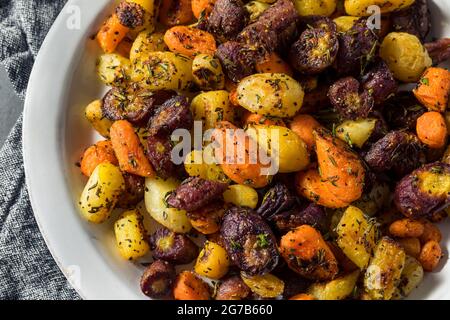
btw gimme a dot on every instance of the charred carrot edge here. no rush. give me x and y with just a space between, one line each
310 185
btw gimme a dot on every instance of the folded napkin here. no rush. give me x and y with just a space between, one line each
27 270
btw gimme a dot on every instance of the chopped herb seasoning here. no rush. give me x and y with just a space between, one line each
262 240
333 161
235 245
425 81
348 139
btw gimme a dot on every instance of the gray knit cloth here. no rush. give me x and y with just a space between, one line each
27 270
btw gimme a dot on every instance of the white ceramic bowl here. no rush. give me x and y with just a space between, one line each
55 133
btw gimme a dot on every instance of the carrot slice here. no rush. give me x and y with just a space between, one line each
189 287
189 41
128 150
111 34
340 167
432 129
310 185
308 254
240 170
94 155
433 89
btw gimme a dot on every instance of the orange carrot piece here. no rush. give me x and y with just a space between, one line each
94 155
111 34
430 232
430 255
242 171
189 287
340 167
310 185
406 228
432 129
257 119
128 150
308 254
302 296
202 8
272 63
304 125
433 89
189 41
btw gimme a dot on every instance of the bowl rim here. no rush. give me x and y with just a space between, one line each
43 141
48 135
